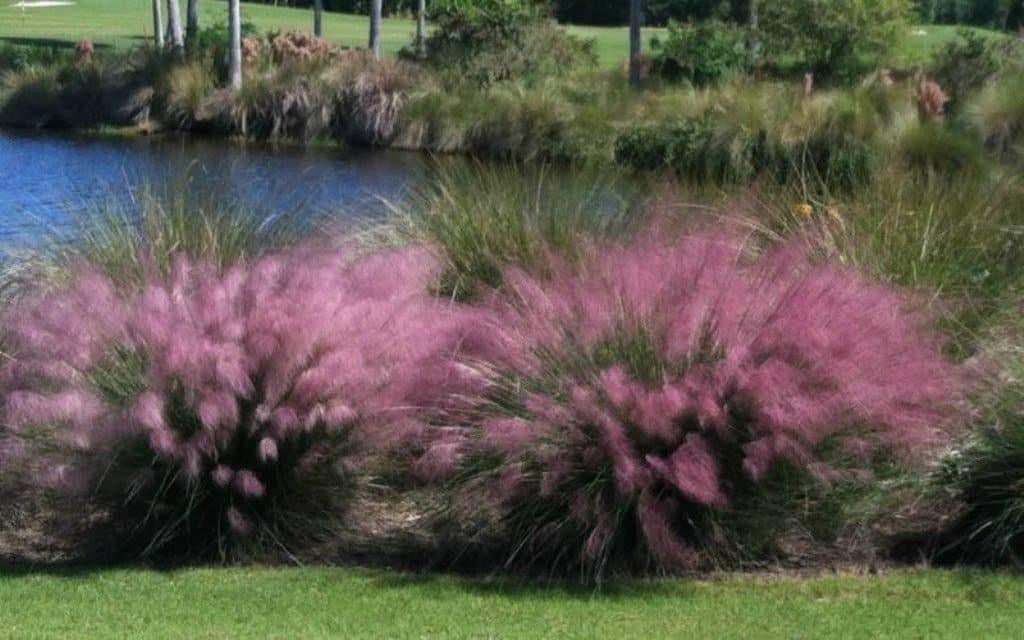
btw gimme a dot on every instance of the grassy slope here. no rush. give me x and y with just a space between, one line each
321 603
124 22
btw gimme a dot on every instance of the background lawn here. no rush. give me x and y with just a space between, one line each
345 603
125 22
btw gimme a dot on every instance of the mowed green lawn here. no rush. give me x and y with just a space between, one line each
126 22
122 23
347 603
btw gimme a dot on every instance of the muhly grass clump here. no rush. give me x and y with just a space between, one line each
483 219
209 407
986 473
915 225
127 236
998 114
665 405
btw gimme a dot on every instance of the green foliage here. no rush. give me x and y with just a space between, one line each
965 65
997 14
713 150
484 219
833 38
989 476
942 149
642 148
998 115
956 239
15 57
488 41
213 37
126 241
705 53
121 377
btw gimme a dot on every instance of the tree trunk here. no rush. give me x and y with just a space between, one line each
754 37
375 19
174 25
635 44
318 17
421 29
235 44
191 23
158 26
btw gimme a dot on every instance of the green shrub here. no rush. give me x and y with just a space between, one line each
935 147
699 150
951 237
832 37
705 53
988 476
127 241
643 148
18 57
488 41
485 219
998 114
965 65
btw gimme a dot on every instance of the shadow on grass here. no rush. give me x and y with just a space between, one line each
540 589
980 588
51 43
503 586
62 571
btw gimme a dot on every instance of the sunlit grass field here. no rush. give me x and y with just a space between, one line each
345 603
122 23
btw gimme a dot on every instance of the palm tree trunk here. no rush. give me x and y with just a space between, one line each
318 17
174 24
235 44
191 23
421 29
158 26
375 19
635 44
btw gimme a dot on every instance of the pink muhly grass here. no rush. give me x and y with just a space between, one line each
242 379
650 387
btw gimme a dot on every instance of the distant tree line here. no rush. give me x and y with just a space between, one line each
998 14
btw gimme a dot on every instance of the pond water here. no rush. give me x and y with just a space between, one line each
47 179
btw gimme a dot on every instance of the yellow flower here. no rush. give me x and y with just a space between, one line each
805 211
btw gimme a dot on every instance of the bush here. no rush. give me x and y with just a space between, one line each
642 403
965 65
213 39
998 114
298 47
488 41
938 148
696 149
354 99
213 411
703 54
643 148
832 38
711 150
20 57
988 476
485 219
130 240
88 93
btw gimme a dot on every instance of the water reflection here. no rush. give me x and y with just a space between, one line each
46 178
